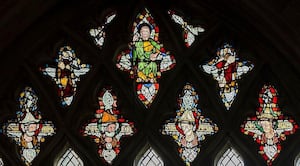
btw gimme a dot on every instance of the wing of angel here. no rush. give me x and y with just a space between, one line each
206 128
251 127
126 129
12 130
243 68
170 129
48 129
210 69
82 71
92 130
284 125
194 30
50 71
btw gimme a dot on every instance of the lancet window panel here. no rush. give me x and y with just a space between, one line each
70 158
149 157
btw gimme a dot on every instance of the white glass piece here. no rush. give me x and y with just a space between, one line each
70 158
297 161
230 158
150 158
1 162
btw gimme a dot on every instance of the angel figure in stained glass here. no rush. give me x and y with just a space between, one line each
227 69
108 127
146 59
28 131
66 74
269 127
189 127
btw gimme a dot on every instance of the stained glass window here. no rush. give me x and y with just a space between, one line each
146 58
269 127
227 69
28 130
230 158
150 158
189 127
66 51
108 126
66 74
70 158
189 31
98 34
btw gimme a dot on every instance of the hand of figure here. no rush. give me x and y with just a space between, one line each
183 142
61 65
135 37
153 56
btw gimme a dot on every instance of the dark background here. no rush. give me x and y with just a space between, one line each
263 32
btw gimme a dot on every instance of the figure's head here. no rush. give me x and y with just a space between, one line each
66 53
227 51
145 30
30 129
267 126
28 100
111 129
267 96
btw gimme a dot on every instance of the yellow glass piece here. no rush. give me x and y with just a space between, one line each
64 81
106 117
151 75
142 75
147 46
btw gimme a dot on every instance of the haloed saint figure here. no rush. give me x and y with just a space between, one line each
146 52
146 58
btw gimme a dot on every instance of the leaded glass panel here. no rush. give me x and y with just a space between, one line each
29 130
269 127
150 158
66 74
226 69
70 158
108 126
189 127
230 158
146 58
